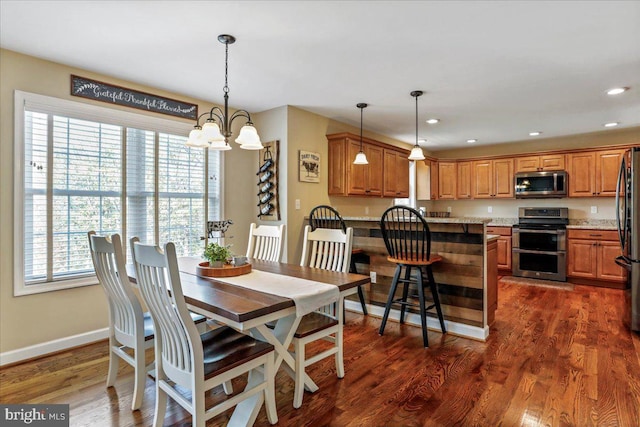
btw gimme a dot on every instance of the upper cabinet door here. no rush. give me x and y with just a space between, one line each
503 178
608 165
390 173
527 164
464 180
374 170
482 179
582 173
337 168
553 162
402 161
357 176
446 180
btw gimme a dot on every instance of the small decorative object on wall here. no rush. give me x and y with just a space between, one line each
99 91
309 166
268 206
216 229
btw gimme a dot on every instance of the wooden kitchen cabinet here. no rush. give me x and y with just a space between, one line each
463 182
503 246
551 162
396 174
347 179
492 179
591 255
447 180
594 173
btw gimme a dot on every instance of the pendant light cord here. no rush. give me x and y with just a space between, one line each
226 67
361 110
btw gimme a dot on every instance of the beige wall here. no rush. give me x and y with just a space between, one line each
33 319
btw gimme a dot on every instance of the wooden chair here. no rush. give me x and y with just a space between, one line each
325 216
408 240
188 361
329 249
129 326
266 242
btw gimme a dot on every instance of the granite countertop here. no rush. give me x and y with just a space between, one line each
594 224
462 220
492 237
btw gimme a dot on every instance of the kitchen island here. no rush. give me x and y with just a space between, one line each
466 276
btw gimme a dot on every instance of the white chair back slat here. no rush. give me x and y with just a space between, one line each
266 242
161 289
329 249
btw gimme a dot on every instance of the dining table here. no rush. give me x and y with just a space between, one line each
249 309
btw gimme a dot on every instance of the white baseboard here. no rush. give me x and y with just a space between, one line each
41 349
455 328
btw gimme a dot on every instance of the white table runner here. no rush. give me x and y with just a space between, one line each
308 295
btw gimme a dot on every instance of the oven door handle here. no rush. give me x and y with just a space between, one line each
527 251
558 232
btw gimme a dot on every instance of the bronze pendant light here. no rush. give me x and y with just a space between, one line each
361 158
416 152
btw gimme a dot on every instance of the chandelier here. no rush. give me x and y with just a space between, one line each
216 131
416 152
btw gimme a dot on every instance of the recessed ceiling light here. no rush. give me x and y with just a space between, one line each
617 90
471 141
535 133
433 121
612 124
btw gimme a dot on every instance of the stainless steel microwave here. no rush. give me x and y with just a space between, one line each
541 185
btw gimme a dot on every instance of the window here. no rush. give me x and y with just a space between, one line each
90 168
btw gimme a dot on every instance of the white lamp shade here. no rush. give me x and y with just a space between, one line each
196 139
361 159
416 154
249 136
219 145
211 132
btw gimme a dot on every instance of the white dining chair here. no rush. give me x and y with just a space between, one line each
129 326
266 242
188 361
328 249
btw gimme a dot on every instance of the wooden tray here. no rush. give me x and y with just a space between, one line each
227 270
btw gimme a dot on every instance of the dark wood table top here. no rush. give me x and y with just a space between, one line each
241 304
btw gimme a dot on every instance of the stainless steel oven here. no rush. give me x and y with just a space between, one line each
540 243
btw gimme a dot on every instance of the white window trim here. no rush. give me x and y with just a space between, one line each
47 104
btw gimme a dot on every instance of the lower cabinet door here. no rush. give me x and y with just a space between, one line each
582 258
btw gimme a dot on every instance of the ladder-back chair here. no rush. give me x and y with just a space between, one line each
325 216
328 249
184 358
408 241
129 326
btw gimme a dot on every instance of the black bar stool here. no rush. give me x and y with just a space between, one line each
408 240
324 216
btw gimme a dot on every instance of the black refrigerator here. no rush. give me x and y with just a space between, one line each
628 219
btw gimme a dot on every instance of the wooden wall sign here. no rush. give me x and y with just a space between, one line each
99 91
268 206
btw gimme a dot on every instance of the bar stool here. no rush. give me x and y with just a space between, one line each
325 216
408 240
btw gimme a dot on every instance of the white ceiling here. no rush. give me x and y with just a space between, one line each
493 71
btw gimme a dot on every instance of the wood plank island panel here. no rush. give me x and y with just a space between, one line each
461 276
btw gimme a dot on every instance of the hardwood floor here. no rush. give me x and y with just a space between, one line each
554 358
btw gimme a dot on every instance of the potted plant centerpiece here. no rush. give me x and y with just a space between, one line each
217 255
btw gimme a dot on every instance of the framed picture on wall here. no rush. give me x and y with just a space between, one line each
308 166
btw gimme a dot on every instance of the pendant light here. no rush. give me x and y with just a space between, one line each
416 152
361 158
216 136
